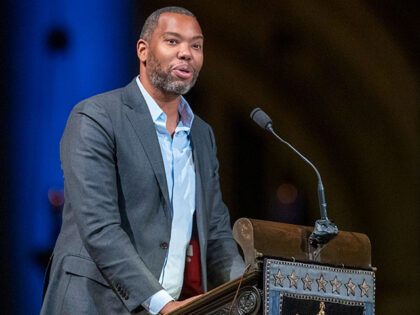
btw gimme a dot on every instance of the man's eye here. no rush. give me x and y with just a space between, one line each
196 46
171 41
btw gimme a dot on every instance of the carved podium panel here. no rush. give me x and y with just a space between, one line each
219 300
287 275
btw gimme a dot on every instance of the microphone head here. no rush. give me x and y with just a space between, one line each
261 118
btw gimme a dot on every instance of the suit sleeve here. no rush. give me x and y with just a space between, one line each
224 262
88 161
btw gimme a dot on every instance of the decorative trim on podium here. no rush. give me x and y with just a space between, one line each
340 290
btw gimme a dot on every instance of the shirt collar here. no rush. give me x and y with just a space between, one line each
185 112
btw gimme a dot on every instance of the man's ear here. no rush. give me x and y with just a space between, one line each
142 49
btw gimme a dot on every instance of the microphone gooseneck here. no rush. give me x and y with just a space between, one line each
324 230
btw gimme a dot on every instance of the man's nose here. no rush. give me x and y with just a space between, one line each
184 52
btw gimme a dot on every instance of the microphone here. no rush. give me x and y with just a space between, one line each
324 230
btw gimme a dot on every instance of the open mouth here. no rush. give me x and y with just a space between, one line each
183 71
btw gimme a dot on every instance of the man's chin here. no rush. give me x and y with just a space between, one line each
179 87
172 84
181 81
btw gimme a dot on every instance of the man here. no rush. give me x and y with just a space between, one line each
138 167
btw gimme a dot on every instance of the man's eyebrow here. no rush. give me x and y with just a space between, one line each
179 36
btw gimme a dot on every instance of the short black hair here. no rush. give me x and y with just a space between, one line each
152 21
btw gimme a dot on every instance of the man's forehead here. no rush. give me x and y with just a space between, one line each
178 23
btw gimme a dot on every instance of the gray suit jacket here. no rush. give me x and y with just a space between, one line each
116 217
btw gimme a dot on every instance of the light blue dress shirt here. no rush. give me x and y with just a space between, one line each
180 176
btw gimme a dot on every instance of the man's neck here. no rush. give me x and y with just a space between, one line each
168 102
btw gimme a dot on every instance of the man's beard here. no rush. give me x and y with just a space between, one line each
164 81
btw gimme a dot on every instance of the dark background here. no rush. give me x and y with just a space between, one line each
339 78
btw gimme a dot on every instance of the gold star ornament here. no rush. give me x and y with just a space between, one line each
322 284
307 283
364 288
335 285
278 279
293 279
350 287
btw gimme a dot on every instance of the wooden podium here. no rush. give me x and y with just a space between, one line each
286 275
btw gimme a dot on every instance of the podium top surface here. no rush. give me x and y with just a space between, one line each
259 238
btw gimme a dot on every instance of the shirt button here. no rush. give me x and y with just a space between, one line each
164 245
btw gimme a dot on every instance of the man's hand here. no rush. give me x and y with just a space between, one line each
172 305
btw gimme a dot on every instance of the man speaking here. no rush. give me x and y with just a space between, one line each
140 178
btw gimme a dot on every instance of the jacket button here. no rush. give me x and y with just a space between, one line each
164 245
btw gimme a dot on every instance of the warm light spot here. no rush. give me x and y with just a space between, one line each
287 193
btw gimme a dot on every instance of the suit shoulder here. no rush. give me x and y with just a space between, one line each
108 101
101 109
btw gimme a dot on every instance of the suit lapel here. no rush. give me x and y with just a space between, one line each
197 143
144 127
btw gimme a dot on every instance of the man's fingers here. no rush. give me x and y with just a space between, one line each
171 306
193 298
